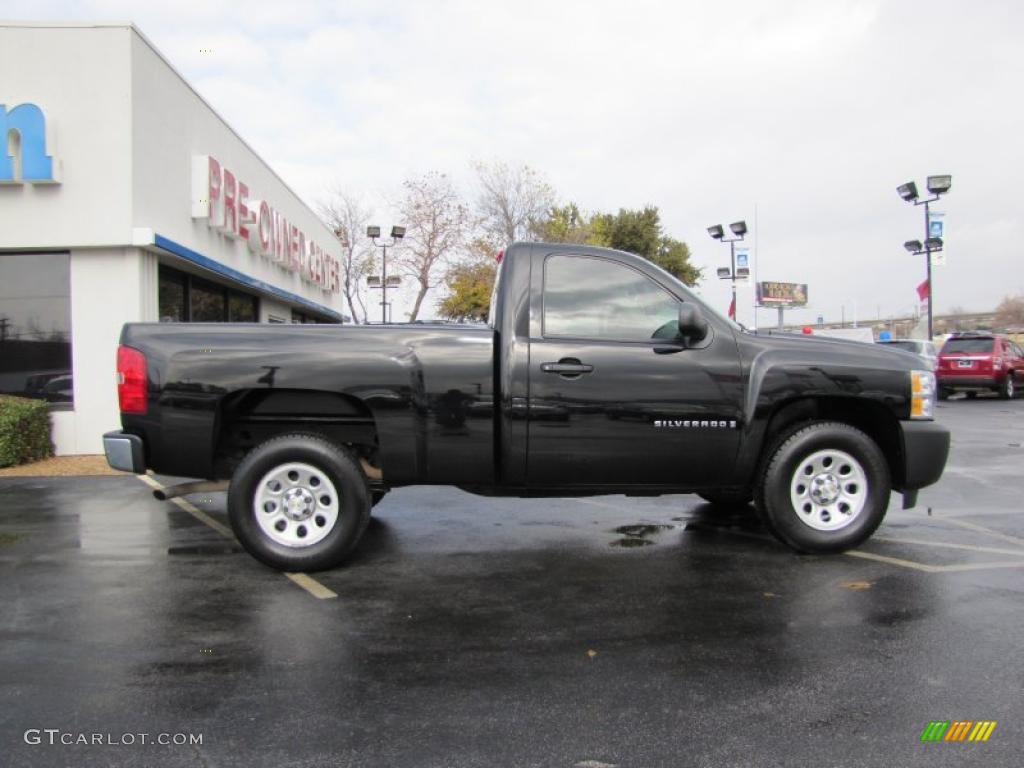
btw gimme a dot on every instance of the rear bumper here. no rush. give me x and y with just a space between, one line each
925 449
124 452
991 381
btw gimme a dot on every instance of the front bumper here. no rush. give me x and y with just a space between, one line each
925 449
124 452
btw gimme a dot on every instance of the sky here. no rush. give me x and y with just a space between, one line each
800 118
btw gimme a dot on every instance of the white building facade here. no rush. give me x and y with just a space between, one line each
125 197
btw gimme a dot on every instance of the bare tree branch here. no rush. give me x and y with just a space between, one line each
511 201
347 215
435 219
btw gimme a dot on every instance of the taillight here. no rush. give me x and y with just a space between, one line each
131 380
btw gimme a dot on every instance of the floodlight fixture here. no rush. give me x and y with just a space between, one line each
398 232
724 273
716 232
373 232
939 185
394 280
739 228
933 244
908 191
373 281
913 246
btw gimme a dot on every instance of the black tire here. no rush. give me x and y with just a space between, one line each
971 395
1009 389
728 499
943 394
333 466
810 532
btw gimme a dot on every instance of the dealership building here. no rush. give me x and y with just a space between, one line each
125 197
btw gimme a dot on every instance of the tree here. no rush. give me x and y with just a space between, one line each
1010 312
470 286
566 224
347 216
435 224
640 232
512 201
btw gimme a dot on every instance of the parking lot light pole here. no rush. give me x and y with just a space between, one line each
937 186
382 282
739 230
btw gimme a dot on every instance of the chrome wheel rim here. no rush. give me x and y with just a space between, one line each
829 490
296 505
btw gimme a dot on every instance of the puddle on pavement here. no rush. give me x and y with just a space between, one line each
638 535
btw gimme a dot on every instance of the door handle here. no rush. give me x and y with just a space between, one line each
567 367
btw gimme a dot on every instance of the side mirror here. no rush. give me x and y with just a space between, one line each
692 325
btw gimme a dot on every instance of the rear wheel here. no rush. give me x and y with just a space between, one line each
299 503
943 394
1008 390
825 488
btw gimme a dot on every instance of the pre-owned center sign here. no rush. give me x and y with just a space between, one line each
221 198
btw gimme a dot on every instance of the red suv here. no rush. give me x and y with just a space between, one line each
980 362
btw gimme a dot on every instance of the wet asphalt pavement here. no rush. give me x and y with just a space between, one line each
507 632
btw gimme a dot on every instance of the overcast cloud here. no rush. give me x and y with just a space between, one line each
809 112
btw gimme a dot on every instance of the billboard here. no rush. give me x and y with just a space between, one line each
771 294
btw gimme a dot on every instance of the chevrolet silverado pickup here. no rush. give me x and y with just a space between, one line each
598 373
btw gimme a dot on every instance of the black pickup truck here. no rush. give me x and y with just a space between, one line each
598 373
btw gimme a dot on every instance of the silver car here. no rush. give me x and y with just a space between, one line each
925 349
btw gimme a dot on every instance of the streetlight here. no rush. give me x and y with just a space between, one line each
382 281
739 231
937 187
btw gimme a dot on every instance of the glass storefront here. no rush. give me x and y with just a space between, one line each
35 327
185 298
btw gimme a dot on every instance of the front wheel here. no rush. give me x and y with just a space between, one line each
825 488
299 503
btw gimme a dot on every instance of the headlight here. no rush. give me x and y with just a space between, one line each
922 395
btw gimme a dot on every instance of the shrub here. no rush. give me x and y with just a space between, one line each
24 430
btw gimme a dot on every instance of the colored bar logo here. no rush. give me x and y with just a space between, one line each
958 730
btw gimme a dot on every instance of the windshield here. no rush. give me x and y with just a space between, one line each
967 345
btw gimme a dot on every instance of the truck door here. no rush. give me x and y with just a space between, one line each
615 397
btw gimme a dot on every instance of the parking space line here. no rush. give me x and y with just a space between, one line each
892 561
950 545
982 529
311 585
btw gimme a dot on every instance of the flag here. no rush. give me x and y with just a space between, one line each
923 291
732 309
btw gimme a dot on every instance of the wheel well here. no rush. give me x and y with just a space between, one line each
872 418
249 417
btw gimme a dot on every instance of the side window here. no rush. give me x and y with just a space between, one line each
586 297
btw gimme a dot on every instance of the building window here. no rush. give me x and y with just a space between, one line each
242 308
184 298
35 327
173 296
207 302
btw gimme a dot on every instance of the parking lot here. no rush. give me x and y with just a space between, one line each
503 632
